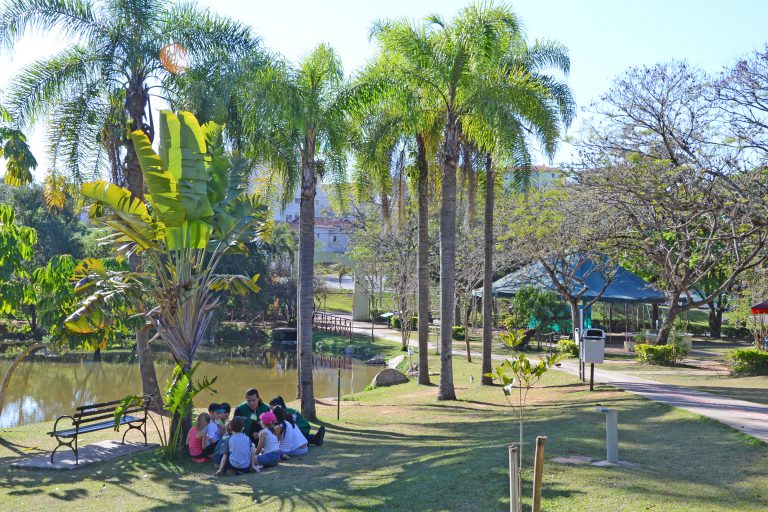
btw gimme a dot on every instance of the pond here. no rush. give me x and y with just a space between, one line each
42 390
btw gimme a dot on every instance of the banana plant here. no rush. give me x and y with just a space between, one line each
196 209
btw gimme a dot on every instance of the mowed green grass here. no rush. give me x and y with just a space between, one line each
400 449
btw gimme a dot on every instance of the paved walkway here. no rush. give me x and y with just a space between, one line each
748 417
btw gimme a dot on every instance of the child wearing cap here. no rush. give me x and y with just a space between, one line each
268 449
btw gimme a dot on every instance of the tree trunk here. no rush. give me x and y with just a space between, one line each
9 372
386 214
467 311
471 187
669 319
147 369
305 283
488 271
422 259
715 321
448 256
136 106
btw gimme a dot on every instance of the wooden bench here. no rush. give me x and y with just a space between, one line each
95 417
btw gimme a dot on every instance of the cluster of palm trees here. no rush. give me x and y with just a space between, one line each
454 91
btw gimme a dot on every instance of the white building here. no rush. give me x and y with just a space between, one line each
290 212
331 235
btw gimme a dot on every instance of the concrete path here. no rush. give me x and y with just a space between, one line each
748 417
88 454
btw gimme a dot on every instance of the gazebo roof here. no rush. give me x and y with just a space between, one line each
623 287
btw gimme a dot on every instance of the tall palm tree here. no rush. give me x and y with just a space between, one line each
402 114
100 84
540 115
448 60
298 127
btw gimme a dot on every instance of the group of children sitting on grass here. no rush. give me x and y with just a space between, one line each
258 435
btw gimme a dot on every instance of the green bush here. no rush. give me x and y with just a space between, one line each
395 321
231 332
748 360
568 347
698 329
660 354
457 332
735 332
639 337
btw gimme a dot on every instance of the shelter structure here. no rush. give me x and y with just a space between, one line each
620 285
589 281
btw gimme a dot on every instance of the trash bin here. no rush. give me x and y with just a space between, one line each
594 346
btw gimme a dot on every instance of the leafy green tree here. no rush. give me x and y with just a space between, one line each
19 160
100 84
197 211
301 132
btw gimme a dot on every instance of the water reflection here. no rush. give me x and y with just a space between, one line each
42 390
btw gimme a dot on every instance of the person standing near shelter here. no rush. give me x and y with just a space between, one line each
250 410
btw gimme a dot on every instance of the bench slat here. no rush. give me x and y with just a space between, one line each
94 419
96 406
106 410
70 432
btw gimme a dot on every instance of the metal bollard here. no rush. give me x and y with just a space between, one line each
611 434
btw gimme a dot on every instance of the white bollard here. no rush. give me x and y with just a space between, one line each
611 434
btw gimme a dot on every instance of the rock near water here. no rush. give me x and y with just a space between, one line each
389 377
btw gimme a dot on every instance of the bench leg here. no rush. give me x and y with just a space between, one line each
139 428
68 445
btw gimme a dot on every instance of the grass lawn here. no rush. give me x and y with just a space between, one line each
331 343
339 301
399 449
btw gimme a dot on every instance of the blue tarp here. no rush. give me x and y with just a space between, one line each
623 285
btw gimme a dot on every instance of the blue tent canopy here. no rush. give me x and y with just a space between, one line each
623 285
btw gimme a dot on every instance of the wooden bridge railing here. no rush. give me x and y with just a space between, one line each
332 323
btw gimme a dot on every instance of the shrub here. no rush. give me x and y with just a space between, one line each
414 322
748 360
457 332
698 329
639 337
232 332
568 347
735 332
660 354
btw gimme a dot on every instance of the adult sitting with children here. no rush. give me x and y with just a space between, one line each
258 436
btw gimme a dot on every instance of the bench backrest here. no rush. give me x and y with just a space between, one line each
94 413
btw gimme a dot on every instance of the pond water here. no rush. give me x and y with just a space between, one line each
42 390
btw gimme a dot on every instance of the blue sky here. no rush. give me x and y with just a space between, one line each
604 37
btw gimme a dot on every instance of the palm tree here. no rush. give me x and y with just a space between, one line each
100 84
401 115
542 112
298 127
444 59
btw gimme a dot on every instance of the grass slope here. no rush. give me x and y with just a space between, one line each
399 449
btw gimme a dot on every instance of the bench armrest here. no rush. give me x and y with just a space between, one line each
55 425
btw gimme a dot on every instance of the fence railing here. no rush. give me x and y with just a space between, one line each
332 323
